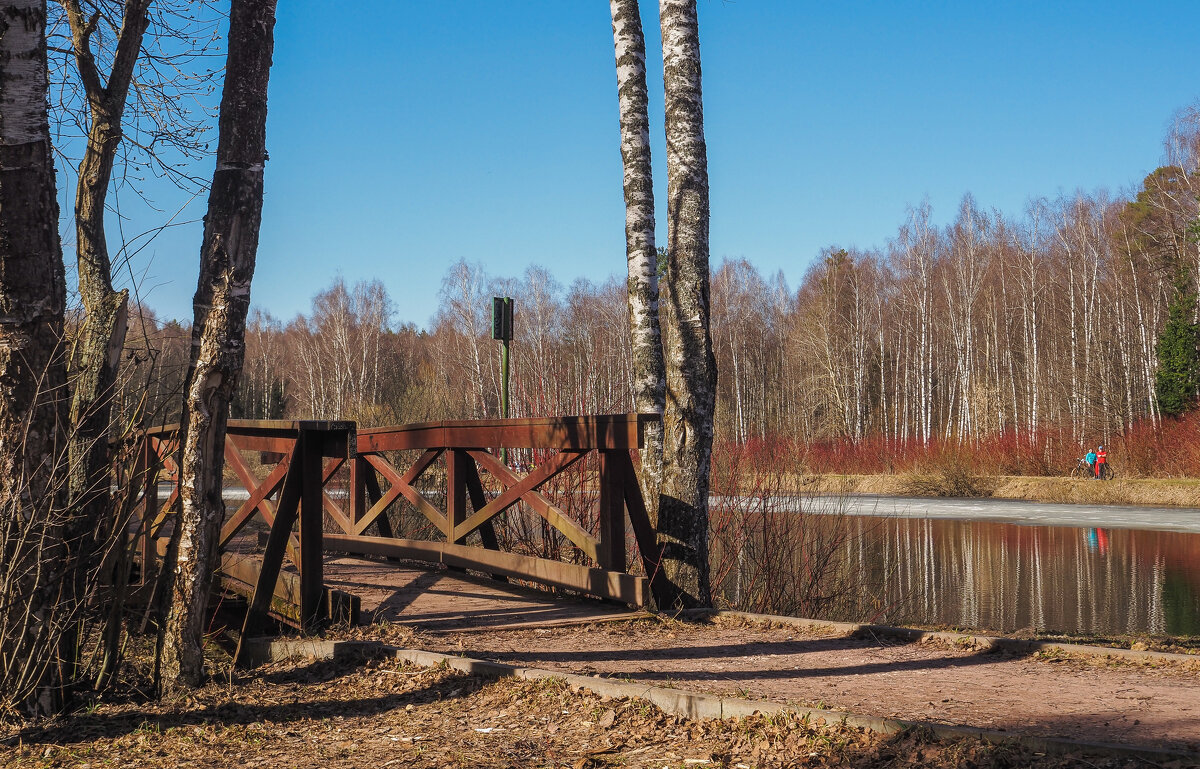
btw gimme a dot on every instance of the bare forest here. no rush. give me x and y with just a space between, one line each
1017 338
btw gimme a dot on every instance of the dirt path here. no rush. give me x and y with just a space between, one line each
1081 698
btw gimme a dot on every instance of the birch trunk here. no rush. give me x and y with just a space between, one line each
32 370
98 351
218 332
691 369
641 256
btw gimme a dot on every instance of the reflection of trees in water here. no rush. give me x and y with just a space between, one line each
791 555
1180 604
1001 576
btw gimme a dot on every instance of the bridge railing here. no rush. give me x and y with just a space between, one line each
466 453
329 485
289 502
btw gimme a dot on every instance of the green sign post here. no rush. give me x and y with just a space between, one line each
502 331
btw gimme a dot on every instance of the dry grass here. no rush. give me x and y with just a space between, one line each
949 477
1152 492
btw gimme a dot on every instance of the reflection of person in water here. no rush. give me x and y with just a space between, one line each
1097 541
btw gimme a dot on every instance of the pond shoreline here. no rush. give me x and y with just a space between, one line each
1141 492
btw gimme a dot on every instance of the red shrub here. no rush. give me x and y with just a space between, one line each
1169 449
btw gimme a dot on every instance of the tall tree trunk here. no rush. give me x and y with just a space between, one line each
218 332
98 351
687 341
32 370
649 376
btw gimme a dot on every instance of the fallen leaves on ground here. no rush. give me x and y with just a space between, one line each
380 713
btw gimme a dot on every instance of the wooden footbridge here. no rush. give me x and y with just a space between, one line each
436 492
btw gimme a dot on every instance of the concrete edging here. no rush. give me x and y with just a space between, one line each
679 702
996 643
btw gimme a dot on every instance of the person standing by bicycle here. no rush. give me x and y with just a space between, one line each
1101 463
1091 460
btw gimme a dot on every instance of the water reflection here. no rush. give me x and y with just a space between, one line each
1009 577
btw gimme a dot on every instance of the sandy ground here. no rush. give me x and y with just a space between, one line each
1049 695
1096 699
1090 699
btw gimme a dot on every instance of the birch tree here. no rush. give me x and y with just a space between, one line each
220 306
32 371
98 348
649 376
691 369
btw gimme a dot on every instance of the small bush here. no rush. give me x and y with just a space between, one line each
950 477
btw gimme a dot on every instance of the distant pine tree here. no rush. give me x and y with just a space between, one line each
1178 376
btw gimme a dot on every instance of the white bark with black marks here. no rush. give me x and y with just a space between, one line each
649 377
687 340
32 373
221 304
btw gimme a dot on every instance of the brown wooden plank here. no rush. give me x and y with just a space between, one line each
379 502
168 507
487 532
335 512
412 473
264 506
514 492
643 531
456 496
358 496
149 508
258 495
279 444
401 485
612 511
370 485
163 431
376 513
240 573
330 468
331 507
613 431
312 520
542 506
283 426
272 559
615 586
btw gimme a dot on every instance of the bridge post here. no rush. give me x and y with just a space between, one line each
456 494
612 511
149 465
312 519
357 491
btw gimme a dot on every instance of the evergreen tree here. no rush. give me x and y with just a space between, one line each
1178 375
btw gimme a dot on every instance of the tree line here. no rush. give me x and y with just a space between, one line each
1077 316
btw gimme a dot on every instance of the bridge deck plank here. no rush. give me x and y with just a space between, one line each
439 599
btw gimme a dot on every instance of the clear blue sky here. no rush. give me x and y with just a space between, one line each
405 134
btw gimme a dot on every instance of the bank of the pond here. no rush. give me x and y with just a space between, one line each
1153 492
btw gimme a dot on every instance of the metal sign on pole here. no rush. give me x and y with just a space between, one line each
502 331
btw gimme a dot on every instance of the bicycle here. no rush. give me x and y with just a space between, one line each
1082 470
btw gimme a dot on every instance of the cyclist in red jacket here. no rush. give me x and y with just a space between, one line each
1101 460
